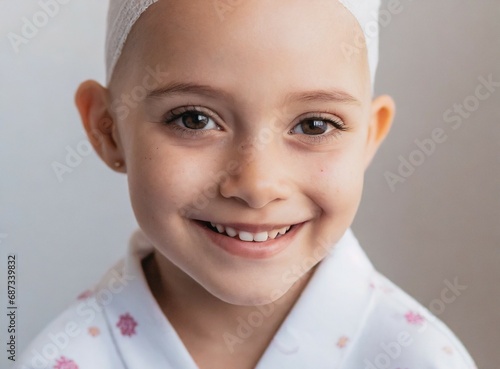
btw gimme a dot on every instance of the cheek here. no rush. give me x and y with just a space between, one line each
337 182
165 179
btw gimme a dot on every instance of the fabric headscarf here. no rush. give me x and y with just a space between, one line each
123 14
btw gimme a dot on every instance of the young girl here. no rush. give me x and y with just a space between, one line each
245 129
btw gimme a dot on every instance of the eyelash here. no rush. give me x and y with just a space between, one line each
338 125
172 116
338 128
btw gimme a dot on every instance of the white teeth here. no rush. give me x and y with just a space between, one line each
231 232
273 234
245 236
249 237
259 237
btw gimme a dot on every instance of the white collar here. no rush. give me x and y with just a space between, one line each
329 312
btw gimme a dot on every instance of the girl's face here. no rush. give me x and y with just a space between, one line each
255 120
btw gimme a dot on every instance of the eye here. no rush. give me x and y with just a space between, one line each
315 126
191 119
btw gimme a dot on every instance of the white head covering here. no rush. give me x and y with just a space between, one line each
124 13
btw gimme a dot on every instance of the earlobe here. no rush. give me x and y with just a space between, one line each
91 101
382 116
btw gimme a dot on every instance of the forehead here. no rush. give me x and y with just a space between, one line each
296 44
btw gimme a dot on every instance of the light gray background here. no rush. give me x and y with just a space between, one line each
442 223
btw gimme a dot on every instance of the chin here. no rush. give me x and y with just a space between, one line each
248 295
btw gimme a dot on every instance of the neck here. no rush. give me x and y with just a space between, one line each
204 322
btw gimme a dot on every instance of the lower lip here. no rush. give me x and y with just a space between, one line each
251 250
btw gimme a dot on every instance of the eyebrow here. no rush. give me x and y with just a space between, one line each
323 96
185 88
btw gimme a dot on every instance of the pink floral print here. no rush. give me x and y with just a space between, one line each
127 325
414 318
64 363
342 342
94 331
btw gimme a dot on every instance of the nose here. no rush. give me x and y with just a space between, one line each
261 176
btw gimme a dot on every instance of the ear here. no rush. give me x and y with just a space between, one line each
382 116
92 102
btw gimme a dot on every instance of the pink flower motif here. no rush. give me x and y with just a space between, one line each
448 350
414 318
342 342
94 331
64 363
127 325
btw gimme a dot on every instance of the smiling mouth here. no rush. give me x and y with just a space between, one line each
247 236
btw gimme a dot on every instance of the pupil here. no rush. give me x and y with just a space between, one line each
314 127
195 121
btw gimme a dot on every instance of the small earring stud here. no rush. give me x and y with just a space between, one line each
118 164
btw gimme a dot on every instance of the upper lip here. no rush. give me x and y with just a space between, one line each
252 228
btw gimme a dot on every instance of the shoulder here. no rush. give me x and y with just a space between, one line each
399 332
78 338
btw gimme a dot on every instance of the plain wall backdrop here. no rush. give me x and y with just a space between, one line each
438 223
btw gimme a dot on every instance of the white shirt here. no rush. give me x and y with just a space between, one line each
348 317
